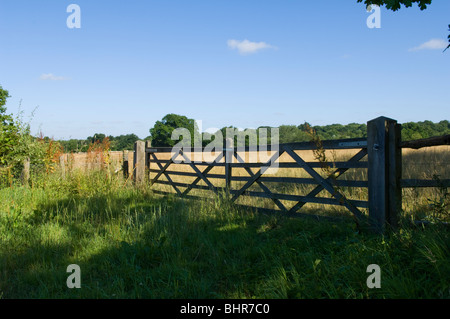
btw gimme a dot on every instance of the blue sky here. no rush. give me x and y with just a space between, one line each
132 62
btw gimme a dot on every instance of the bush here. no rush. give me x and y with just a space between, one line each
17 144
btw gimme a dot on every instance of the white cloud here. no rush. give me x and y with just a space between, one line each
52 77
248 47
433 44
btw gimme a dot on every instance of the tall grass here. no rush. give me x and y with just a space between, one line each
130 243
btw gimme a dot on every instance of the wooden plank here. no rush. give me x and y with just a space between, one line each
427 142
394 168
311 164
179 184
159 192
214 163
282 165
228 153
190 174
139 163
306 199
377 144
412 183
326 184
274 212
312 181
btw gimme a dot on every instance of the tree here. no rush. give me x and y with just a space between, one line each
123 142
394 5
161 133
8 130
4 95
98 137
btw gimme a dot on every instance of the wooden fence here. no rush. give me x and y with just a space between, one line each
382 148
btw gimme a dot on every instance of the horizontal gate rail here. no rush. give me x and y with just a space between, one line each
413 183
282 165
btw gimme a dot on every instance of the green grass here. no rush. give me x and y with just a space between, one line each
130 243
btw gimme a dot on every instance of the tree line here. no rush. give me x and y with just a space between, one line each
161 133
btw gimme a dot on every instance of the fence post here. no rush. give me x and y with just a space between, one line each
384 173
228 156
26 171
139 163
62 165
148 144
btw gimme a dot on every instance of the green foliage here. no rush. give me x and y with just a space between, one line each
123 142
8 130
17 144
425 129
161 133
4 95
118 143
394 5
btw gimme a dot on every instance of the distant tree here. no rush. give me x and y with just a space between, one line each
161 133
98 137
123 142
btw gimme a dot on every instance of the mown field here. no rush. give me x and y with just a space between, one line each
131 243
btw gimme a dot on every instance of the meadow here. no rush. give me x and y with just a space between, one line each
132 243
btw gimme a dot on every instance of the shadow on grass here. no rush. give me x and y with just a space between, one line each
167 248
147 247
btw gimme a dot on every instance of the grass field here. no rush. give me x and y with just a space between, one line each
130 243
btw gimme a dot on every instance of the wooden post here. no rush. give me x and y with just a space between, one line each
26 171
384 173
395 174
228 156
62 165
139 163
148 144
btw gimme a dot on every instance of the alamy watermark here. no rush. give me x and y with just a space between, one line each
374 20
257 145
374 280
74 19
74 280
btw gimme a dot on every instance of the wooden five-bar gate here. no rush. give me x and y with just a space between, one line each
382 149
